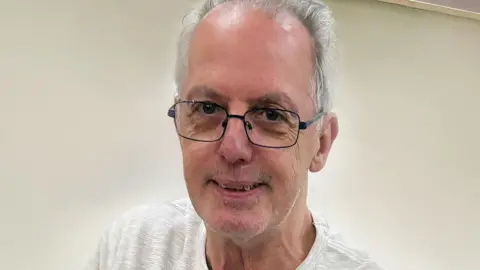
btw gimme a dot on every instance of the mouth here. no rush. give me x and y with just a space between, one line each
238 187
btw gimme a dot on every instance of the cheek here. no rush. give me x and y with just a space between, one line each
196 158
305 150
284 166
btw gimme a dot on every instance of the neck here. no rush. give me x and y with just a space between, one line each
283 247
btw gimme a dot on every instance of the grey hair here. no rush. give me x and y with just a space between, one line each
315 16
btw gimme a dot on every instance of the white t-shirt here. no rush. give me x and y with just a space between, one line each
172 236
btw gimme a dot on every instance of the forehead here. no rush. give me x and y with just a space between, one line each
242 54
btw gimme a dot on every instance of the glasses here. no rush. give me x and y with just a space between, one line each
205 121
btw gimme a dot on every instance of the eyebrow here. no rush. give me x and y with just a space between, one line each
280 98
276 98
202 91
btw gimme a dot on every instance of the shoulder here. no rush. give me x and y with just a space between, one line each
148 231
338 254
160 218
154 216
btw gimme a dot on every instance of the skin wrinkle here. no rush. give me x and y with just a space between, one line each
274 230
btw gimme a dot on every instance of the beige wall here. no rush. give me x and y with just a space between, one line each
84 90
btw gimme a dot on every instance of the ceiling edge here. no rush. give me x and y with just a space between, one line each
435 8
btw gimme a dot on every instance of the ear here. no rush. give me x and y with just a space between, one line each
326 137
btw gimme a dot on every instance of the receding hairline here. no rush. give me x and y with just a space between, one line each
278 12
272 7
284 17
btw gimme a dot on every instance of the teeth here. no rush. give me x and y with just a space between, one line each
244 188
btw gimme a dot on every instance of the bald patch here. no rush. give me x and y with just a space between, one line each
282 24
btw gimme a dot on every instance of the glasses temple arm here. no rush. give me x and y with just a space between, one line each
305 125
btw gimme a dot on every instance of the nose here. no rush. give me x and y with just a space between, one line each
235 147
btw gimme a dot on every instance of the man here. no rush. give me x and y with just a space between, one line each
253 115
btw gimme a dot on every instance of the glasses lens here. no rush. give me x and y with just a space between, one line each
201 121
272 127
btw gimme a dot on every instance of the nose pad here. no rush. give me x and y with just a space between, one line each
247 124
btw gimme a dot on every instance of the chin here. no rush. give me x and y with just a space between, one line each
230 222
238 228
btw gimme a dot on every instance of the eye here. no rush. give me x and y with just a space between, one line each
273 115
209 108
205 108
269 115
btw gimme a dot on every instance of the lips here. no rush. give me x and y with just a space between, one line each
238 187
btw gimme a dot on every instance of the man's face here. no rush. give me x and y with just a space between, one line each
242 59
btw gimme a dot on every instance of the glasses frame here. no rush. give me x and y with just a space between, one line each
302 125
